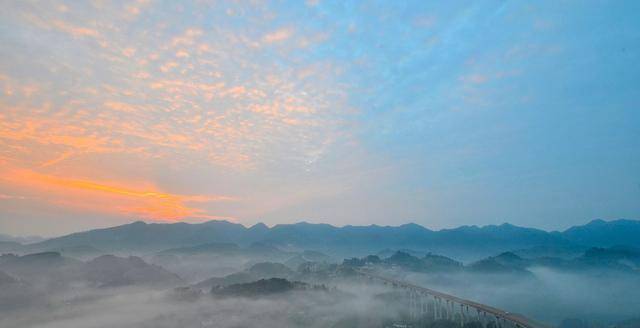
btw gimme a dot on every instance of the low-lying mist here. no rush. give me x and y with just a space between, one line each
548 296
141 308
236 288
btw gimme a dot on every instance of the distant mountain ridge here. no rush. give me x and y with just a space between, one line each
105 271
605 233
20 240
352 240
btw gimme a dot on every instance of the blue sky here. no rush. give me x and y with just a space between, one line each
361 112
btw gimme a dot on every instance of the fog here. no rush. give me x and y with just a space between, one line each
548 296
197 268
51 290
77 304
134 308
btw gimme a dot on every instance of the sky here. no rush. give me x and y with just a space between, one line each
442 113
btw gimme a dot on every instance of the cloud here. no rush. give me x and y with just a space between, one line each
182 54
278 35
143 200
10 197
134 8
75 31
121 107
129 52
182 99
187 38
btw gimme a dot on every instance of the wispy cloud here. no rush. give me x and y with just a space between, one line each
225 97
75 31
145 201
279 35
189 95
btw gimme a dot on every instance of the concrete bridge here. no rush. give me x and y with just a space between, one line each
434 305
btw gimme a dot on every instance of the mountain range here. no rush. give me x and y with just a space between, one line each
464 243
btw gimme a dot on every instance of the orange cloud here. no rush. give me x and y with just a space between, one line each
119 106
187 38
115 198
75 31
182 54
278 36
58 159
168 66
10 197
191 97
129 52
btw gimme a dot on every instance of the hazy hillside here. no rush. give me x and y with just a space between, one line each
604 234
258 271
10 247
54 270
141 236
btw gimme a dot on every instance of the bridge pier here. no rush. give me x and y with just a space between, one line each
453 310
451 314
446 309
434 307
410 305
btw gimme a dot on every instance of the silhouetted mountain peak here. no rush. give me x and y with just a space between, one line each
465 242
42 256
509 256
307 225
597 222
261 287
502 228
507 226
259 227
605 233
136 223
404 259
412 226
221 223
400 255
114 271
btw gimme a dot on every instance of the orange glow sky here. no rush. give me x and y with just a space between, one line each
122 117
372 113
